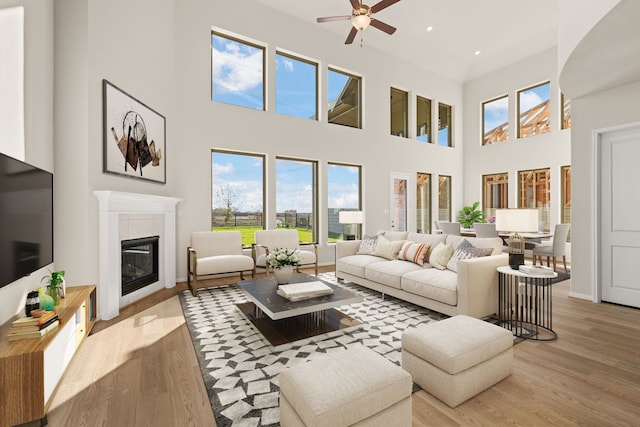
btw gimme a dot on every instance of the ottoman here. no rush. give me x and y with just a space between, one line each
356 386
458 357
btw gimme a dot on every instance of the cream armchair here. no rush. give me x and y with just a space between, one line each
268 240
216 253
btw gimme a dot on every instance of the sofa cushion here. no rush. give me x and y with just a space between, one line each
438 285
368 245
414 252
394 235
495 243
440 256
387 248
466 250
389 272
356 264
431 239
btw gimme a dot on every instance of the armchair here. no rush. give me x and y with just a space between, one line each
267 240
216 253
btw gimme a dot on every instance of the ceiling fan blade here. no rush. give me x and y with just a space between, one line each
355 4
333 18
351 36
382 26
382 5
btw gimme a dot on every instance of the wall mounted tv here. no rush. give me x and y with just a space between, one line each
26 219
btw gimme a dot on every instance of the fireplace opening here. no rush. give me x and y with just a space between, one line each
139 263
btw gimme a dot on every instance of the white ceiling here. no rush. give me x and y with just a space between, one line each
504 31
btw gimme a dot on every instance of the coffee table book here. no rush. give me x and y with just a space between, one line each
536 270
304 290
19 335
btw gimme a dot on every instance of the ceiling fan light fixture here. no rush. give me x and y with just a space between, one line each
361 22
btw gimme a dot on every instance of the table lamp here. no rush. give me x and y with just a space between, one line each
516 221
350 217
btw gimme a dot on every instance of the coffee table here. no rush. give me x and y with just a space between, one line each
282 321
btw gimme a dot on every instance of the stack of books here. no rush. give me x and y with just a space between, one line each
33 327
536 270
303 291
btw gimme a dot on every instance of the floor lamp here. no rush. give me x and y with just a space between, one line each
516 221
350 218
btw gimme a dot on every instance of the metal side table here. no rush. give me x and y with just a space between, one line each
524 304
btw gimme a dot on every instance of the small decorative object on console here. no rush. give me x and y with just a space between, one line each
304 290
56 285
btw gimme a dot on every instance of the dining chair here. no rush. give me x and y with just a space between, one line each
557 247
485 230
449 227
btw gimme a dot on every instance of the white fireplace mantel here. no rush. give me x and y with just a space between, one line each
111 206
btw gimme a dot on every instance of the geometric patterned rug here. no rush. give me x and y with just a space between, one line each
240 368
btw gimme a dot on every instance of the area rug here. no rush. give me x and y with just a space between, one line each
240 369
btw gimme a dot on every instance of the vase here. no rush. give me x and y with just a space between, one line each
54 292
283 274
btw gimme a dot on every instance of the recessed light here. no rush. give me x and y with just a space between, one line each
476 53
429 28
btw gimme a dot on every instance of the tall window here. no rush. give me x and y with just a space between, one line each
296 197
444 125
565 112
495 193
399 112
296 87
237 193
344 97
423 119
565 213
423 202
533 110
238 72
343 193
495 120
444 198
534 192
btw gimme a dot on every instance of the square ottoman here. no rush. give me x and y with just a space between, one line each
458 357
356 386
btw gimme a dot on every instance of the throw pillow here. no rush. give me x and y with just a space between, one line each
440 256
387 248
466 250
368 245
414 252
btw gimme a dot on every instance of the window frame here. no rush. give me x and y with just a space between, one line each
449 187
423 192
263 157
331 69
405 110
359 207
543 211
503 198
519 113
565 120
450 132
299 58
484 131
314 186
429 121
244 41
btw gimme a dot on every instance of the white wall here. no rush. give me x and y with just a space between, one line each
38 117
551 150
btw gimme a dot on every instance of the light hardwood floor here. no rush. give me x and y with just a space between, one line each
140 370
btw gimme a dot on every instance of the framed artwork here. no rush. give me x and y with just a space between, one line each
133 136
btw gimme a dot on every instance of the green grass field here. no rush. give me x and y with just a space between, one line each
305 236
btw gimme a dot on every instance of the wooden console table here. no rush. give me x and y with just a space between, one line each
524 304
31 368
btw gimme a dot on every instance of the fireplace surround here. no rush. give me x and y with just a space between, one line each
126 216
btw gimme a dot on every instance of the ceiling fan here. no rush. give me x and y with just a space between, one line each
361 18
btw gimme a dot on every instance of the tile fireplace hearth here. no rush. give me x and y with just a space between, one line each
129 216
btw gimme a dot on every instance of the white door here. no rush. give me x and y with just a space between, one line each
400 186
619 216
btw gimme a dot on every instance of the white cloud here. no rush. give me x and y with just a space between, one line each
528 100
218 169
235 69
288 64
497 106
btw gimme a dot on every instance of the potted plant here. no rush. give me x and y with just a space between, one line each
55 287
470 214
282 261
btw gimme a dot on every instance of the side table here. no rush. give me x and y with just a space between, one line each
524 304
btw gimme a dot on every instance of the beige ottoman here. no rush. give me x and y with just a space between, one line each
356 386
458 357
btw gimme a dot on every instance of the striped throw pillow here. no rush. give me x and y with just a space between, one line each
414 252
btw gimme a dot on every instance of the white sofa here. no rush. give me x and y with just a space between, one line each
472 290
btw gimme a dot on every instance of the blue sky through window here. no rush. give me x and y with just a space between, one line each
243 174
296 87
535 96
294 186
496 113
343 187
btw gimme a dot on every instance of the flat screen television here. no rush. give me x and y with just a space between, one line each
26 219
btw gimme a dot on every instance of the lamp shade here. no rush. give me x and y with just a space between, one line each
350 217
517 220
361 22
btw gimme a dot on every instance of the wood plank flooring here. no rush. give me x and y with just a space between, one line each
140 370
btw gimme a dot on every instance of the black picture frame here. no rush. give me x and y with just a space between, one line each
134 136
